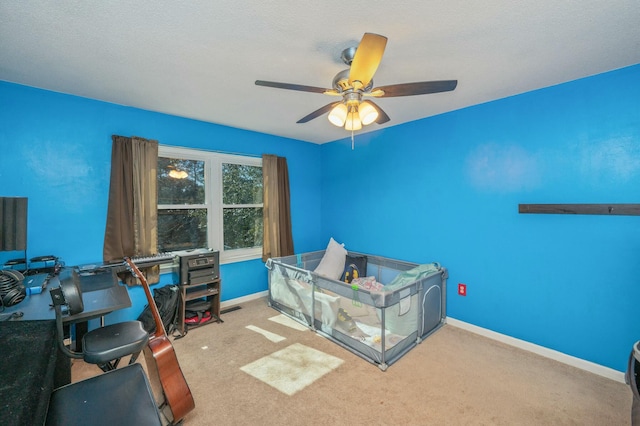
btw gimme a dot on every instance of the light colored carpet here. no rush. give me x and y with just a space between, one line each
454 377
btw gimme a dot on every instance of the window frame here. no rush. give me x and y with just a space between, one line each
213 196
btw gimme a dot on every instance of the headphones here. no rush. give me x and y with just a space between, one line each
71 291
12 290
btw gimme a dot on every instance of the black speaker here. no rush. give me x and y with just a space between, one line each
13 223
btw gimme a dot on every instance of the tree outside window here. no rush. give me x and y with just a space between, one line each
242 206
209 200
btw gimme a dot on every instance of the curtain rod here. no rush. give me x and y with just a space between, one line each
214 150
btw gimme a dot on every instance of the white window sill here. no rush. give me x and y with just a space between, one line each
167 268
242 256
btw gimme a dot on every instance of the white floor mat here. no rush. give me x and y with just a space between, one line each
293 368
285 320
269 335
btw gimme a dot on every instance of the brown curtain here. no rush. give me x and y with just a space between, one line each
132 214
277 239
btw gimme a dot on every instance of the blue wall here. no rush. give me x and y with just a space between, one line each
447 189
444 189
56 150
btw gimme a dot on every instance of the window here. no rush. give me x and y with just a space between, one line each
242 206
207 199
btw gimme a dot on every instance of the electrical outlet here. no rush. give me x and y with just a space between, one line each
462 289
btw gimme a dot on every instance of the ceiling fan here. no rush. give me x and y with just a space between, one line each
356 83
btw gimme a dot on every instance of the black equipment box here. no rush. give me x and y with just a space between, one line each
199 268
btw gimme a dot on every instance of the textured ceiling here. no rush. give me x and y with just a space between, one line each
199 59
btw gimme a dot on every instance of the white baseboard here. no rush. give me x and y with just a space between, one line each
243 299
582 364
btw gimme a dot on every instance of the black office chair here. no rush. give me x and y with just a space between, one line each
632 377
119 397
104 346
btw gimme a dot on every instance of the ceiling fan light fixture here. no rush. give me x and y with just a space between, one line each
368 114
338 115
356 82
353 121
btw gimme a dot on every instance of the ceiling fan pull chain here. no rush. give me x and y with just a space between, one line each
351 140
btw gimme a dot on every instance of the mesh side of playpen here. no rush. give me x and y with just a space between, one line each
377 324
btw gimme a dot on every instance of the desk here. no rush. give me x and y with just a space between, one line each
32 365
101 294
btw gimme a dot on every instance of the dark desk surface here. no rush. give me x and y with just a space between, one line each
101 294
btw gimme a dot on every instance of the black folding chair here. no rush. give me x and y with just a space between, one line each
104 346
118 397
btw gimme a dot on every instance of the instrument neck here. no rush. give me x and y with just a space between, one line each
160 331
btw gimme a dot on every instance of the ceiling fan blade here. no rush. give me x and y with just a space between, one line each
317 113
382 116
367 58
289 86
410 89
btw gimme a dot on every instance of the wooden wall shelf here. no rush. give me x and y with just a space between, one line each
601 209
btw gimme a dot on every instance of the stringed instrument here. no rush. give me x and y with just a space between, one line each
161 355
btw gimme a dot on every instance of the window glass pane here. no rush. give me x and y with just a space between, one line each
195 210
242 228
241 184
183 229
180 181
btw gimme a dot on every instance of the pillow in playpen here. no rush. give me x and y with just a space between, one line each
332 263
355 267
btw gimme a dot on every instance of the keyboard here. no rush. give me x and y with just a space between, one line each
140 262
155 259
